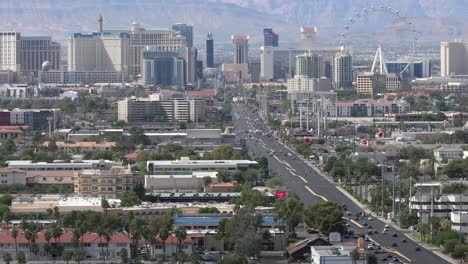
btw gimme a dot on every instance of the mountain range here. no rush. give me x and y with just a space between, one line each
434 20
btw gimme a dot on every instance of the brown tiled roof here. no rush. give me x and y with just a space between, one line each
6 238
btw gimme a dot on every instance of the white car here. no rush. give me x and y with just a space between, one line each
370 247
369 218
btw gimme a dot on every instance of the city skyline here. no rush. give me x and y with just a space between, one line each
228 19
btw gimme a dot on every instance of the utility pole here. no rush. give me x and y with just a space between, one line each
307 113
410 192
399 201
382 204
393 190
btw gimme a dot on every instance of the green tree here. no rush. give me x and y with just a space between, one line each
14 234
206 181
459 252
123 254
67 256
373 259
135 230
130 199
274 181
234 259
253 198
449 245
408 219
181 235
326 217
290 210
208 210
7 258
354 256
21 257
182 257
164 235
195 258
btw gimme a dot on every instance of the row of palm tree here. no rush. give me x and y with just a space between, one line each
135 228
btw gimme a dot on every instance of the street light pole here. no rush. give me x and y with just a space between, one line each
382 204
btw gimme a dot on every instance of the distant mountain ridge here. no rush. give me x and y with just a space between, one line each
435 20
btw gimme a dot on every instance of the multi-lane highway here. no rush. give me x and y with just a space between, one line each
301 179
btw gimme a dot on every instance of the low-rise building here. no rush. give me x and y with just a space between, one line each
371 107
111 183
12 132
36 204
211 221
185 183
221 187
186 165
448 154
10 176
171 246
57 172
337 254
459 222
92 244
84 146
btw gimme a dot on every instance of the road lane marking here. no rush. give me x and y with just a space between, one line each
356 223
396 252
314 193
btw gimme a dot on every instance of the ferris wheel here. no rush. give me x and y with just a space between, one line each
396 15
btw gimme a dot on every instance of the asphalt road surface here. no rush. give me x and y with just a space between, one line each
312 188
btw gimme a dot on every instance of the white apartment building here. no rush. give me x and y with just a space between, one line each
156 110
77 164
429 199
9 47
453 58
187 166
180 183
460 222
371 107
303 84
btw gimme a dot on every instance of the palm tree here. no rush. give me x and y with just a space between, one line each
14 234
35 250
7 258
164 235
57 232
57 214
50 213
48 237
181 235
148 236
354 255
107 237
135 229
78 256
67 256
20 257
100 232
